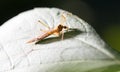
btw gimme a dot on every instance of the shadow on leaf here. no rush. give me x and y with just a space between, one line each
70 34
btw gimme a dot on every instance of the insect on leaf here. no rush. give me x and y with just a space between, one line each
81 50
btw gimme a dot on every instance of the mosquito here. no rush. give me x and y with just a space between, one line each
58 30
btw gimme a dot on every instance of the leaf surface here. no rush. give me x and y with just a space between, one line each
82 50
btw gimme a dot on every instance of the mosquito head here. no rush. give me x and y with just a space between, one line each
60 27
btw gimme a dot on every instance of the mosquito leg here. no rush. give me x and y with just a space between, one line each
44 24
62 35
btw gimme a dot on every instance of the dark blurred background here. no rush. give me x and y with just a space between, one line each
103 15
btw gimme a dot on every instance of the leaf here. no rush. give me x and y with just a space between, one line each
82 50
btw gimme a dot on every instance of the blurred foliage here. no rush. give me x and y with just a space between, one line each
112 35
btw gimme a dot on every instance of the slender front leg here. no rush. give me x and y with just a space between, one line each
62 35
43 23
